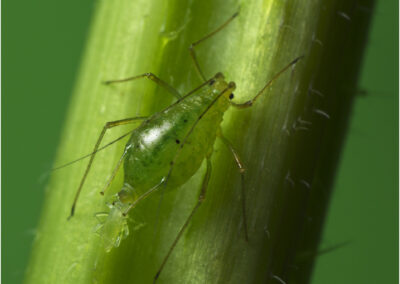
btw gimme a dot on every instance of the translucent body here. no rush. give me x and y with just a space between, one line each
115 227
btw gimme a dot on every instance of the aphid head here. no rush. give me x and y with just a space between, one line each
229 90
218 84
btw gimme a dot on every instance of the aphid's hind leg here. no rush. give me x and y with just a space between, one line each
269 83
200 200
152 77
193 53
107 126
242 171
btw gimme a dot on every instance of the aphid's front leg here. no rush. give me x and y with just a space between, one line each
152 77
107 126
269 83
192 46
242 170
200 200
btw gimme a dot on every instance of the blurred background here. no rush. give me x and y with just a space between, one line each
42 46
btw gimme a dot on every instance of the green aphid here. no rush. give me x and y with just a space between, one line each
168 148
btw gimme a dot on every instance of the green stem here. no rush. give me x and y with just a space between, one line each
288 141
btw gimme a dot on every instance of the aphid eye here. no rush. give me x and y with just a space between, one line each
177 141
231 96
212 82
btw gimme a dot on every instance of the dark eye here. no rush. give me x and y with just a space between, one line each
231 96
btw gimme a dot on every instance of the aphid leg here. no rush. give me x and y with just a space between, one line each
100 216
114 173
242 171
143 196
191 47
152 77
230 88
200 200
91 154
269 83
107 126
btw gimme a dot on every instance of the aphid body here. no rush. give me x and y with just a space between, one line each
160 152
162 141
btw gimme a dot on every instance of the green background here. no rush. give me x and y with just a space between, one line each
42 45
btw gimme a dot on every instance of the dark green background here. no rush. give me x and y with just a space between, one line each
42 45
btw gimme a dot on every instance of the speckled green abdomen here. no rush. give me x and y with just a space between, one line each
161 142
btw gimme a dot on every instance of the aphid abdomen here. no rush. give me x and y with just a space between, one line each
196 148
179 137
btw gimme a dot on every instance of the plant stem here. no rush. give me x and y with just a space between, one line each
289 141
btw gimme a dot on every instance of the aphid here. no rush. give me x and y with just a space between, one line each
167 148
